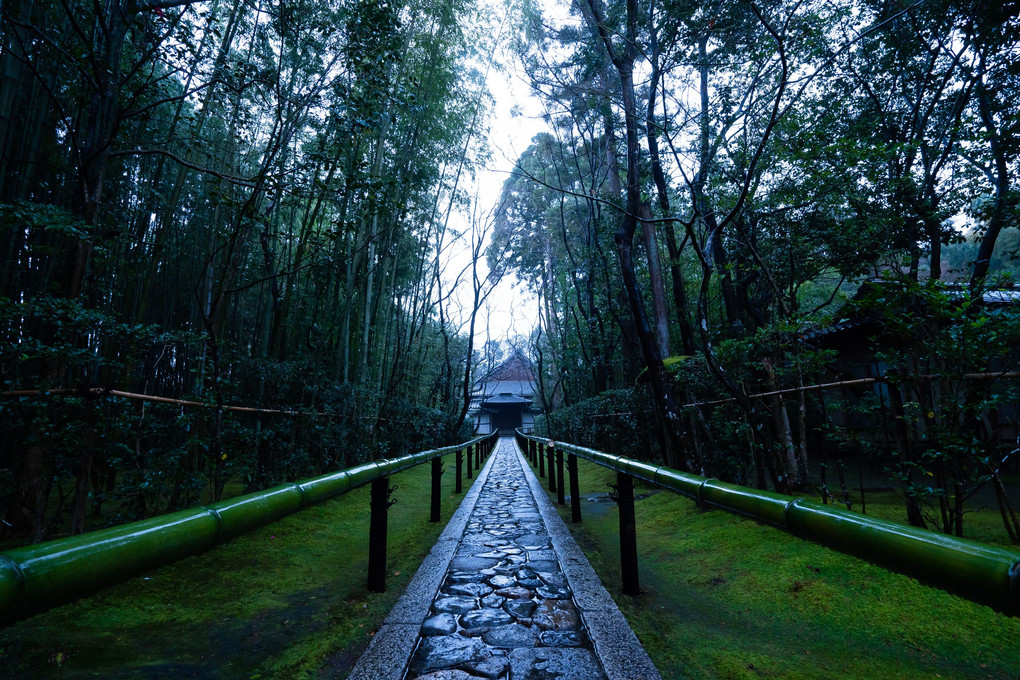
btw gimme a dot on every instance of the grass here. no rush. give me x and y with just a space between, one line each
284 601
725 597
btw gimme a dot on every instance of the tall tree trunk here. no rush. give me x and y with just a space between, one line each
666 408
997 218
680 299
703 205
660 313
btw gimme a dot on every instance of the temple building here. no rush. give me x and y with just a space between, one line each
502 398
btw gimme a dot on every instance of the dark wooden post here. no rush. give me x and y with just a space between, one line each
628 534
575 492
552 469
460 471
437 488
377 535
470 456
541 459
478 455
560 491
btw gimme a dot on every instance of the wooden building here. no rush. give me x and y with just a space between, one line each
503 398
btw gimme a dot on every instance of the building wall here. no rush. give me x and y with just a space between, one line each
482 423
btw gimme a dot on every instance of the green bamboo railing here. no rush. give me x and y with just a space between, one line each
37 577
984 573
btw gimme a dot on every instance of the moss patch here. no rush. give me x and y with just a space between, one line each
725 597
284 601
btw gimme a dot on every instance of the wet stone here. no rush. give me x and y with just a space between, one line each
446 652
556 615
476 538
493 601
541 556
534 542
542 663
556 580
493 666
553 593
561 638
504 570
491 555
456 604
485 618
446 675
521 609
465 577
533 582
498 543
545 566
516 593
473 563
440 624
502 581
469 589
510 637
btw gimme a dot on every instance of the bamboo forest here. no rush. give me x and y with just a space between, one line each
254 250
246 242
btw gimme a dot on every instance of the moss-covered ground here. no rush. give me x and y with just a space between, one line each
725 597
285 601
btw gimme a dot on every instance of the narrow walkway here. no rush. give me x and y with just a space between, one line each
518 600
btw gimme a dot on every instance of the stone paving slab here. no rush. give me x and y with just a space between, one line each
518 601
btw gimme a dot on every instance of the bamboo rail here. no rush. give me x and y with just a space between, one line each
984 573
37 577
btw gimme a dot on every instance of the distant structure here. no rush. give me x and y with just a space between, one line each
502 398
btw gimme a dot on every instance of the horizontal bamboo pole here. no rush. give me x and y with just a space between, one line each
37 577
102 392
860 381
984 573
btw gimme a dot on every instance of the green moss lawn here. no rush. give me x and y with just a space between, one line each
285 601
725 597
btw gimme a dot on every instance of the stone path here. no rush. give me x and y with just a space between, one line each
505 606
518 600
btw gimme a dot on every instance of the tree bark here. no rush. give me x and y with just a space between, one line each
663 399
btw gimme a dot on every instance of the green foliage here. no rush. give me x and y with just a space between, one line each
244 209
619 421
948 444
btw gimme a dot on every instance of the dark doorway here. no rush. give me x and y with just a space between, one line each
507 412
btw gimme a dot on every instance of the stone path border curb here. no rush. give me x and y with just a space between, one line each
390 651
621 653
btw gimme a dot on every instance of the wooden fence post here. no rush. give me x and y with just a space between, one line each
560 492
437 488
460 471
377 535
575 492
628 534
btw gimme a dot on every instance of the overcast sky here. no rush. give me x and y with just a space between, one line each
511 310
